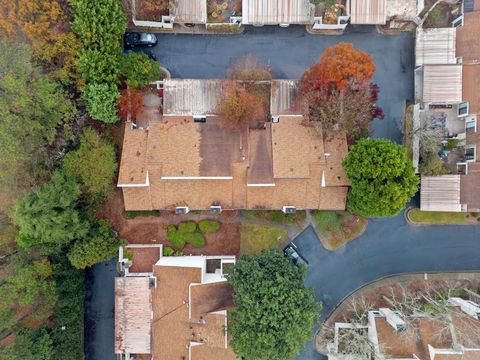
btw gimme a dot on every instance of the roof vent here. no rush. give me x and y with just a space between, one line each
289 209
215 209
179 210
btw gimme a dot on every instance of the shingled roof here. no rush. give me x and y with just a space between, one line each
199 164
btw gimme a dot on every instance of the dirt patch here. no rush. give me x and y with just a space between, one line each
143 259
225 241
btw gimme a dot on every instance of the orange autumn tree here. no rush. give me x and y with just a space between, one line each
341 67
238 107
130 103
337 93
45 25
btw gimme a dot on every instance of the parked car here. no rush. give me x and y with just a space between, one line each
291 252
140 39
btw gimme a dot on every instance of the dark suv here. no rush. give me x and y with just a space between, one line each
140 39
291 252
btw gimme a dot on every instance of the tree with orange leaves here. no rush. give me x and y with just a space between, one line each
341 67
337 93
130 103
240 107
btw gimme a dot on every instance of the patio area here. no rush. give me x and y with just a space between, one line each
220 11
330 10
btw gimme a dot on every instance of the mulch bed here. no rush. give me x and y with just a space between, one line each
152 229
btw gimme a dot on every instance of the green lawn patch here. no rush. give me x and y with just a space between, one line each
276 216
440 217
134 214
336 228
256 238
209 226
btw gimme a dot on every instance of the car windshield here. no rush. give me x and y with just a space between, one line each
145 37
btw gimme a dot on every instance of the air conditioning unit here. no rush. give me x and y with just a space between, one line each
275 119
199 118
179 210
289 209
152 282
215 209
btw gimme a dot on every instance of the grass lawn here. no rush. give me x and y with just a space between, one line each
134 214
440 217
276 216
256 238
336 228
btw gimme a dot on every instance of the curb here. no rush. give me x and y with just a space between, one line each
471 272
412 223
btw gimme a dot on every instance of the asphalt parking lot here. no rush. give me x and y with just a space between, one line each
289 51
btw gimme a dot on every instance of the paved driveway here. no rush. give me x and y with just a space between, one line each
388 246
289 52
99 311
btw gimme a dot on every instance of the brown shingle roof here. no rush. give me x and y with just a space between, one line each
134 151
173 329
295 147
201 164
468 47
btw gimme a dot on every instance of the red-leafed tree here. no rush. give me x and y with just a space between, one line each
130 103
337 93
241 106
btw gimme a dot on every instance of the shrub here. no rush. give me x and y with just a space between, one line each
175 237
139 70
209 226
168 251
187 227
102 101
197 240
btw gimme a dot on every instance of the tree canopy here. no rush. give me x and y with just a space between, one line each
337 93
102 101
47 215
139 70
130 103
93 165
100 25
32 107
240 107
100 244
383 178
45 25
29 345
341 67
274 313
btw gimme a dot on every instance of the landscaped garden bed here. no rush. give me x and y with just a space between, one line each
336 228
417 216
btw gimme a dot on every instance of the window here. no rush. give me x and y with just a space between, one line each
463 109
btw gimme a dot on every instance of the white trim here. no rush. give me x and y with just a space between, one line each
260 185
147 183
197 177
324 184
